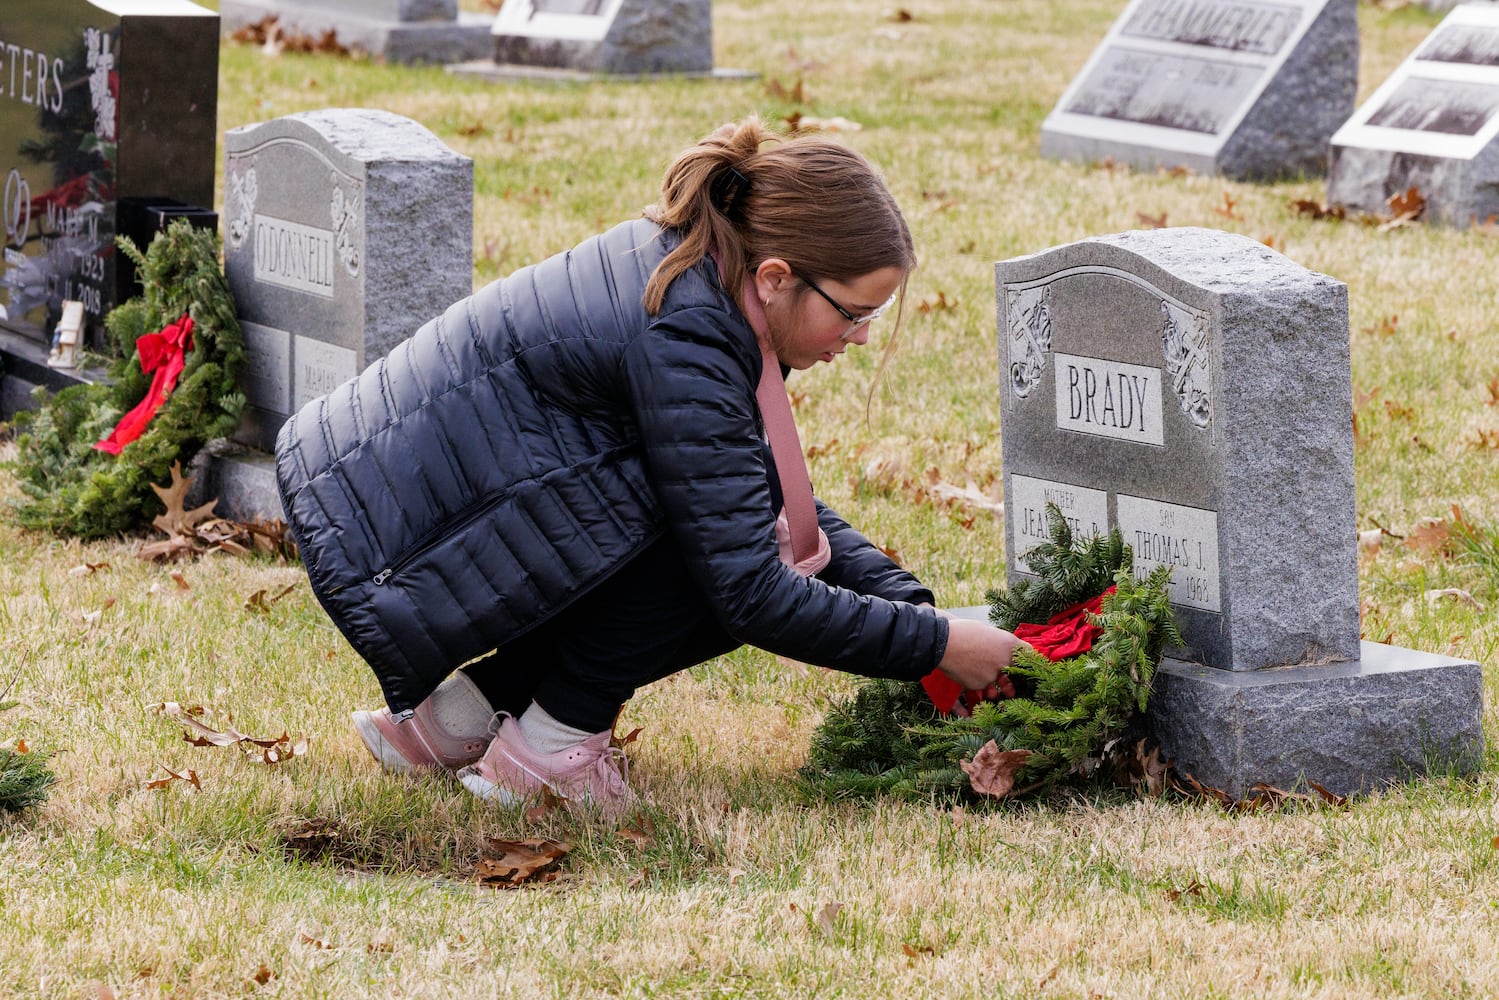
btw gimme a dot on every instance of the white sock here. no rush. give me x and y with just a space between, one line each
459 708
545 734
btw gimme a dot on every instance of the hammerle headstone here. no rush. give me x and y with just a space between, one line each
1433 125
344 230
1250 89
108 113
401 31
1193 388
587 38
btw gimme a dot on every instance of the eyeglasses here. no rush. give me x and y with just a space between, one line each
854 322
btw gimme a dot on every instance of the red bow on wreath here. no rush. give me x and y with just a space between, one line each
165 353
1067 633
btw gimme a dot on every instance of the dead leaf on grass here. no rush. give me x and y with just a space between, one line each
87 569
262 604
513 863
992 771
1193 888
1454 594
548 803
190 776
641 836
827 916
1151 221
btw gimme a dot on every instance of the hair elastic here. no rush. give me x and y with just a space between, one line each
728 188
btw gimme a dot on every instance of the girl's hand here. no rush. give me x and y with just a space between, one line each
978 655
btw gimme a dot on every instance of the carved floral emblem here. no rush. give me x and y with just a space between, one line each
346 209
240 207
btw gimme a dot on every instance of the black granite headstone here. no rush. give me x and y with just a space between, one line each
102 105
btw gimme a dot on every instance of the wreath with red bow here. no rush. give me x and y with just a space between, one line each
1097 633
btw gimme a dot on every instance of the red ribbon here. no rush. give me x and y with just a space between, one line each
165 353
1066 633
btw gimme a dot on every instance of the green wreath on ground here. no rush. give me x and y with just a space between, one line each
1067 718
70 487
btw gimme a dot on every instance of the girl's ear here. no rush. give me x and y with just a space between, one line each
772 276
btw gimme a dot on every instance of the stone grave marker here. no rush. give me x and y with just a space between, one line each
344 230
403 31
1251 89
106 109
1433 125
583 38
1193 388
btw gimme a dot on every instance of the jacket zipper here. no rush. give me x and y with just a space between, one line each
441 534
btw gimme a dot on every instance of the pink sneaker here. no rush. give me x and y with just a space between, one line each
592 772
446 732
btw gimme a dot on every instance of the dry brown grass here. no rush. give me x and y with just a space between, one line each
744 888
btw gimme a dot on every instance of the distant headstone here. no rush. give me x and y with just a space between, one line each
1433 125
105 109
1193 388
345 229
403 31
601 37
1251 89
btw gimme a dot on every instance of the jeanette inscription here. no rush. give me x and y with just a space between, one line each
294 256
1240 27
1185 538
1109 398
1086 510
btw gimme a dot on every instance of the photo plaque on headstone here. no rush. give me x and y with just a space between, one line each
1433 125
1192 388
102 105
344 230
1251 89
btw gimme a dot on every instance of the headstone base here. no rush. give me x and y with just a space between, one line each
242 479
1458 191
23 368
436 41
489 69
1351 727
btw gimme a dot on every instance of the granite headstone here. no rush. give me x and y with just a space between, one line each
107 110
1251 89
1193 388
605 37
402 31
1433 125
345 229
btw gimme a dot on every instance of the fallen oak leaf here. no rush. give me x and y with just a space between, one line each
191 777
827 916
1152 221
1455 594
520 862
176 519
992 771
87 569
550 802
1432 537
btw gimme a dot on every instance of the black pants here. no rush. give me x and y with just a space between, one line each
647 621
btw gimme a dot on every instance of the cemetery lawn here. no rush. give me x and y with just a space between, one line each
323 876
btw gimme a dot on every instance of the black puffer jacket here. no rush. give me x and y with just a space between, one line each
526 443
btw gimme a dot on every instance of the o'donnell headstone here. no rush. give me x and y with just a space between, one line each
1251 89
344 230
585 38
1193 388
106 109
1433 125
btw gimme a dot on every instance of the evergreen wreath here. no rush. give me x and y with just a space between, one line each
1067 715
71 488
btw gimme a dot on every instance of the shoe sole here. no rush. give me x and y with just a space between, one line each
486 789
379 747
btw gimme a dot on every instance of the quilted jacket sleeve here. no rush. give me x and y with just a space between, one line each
858 565
691 382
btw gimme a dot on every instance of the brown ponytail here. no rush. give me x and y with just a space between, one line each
815 204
